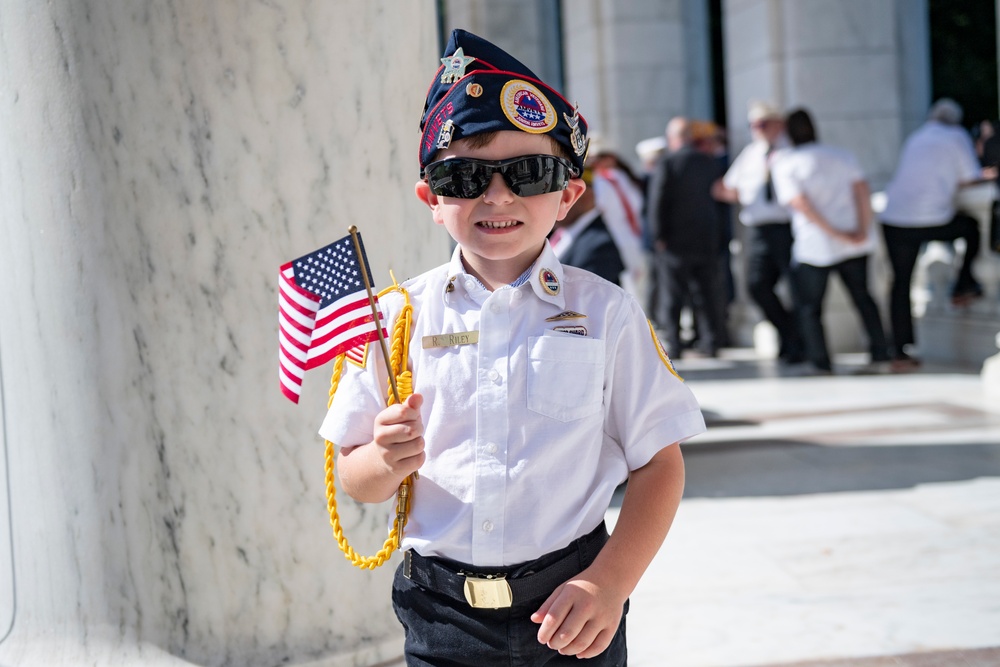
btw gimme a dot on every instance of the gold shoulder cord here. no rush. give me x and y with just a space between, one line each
404 383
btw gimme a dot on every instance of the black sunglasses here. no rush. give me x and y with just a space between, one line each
526 176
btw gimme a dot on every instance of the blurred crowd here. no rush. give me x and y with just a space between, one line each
665 233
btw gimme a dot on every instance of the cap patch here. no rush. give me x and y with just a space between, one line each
454 66
444 138
576 138
435 124
526 107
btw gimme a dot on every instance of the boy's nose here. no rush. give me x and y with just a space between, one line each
497 192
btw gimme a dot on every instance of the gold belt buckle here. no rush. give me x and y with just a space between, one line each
489 592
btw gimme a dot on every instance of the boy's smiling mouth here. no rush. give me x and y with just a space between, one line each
497 224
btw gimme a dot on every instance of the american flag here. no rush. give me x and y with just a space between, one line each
323 310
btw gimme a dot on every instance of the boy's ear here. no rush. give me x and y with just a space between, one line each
424 194
570 195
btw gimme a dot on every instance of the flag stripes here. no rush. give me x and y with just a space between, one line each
323 311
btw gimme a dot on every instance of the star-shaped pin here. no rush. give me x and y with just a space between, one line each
454 66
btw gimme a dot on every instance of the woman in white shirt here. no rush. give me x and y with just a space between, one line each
832 231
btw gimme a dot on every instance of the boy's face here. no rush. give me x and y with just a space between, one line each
500 232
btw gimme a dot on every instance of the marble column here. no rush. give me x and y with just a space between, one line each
634 65
160 501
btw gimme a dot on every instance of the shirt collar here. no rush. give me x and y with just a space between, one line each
545 276
548 275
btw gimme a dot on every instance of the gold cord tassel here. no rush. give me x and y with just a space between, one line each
404 384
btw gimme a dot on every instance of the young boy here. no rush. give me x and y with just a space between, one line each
538 389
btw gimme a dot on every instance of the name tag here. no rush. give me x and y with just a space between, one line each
450 340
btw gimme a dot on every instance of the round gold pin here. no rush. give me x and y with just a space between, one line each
549 281
473 90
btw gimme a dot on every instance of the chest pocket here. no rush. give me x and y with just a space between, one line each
565 376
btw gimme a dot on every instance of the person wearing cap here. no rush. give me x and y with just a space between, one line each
618 194
748 182
936 161
539 388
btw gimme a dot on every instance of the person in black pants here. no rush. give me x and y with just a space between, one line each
687 234
768 224
936 160
832 230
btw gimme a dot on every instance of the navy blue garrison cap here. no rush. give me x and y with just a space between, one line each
480 88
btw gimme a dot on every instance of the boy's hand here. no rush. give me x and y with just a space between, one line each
580 618
399 436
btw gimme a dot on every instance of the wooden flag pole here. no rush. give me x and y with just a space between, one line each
371 302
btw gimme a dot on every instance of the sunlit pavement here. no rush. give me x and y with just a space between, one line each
851 520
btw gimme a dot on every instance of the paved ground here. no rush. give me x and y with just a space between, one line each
988 657
836 521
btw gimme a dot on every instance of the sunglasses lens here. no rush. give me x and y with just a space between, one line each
466 178
536 175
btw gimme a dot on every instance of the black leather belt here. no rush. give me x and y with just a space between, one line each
497 588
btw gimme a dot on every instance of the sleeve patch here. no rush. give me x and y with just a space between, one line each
663 353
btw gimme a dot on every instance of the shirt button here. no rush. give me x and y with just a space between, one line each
495 307
487 526
494 375
491 448
517 295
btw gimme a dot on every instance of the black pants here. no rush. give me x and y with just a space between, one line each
903 245
442 630
769 254
693 280
812 282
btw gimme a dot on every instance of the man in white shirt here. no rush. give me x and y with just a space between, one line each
937 160
769 242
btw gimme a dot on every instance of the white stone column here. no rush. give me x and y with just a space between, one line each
160 501
634 65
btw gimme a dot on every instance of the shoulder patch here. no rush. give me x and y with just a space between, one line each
664 357
358 355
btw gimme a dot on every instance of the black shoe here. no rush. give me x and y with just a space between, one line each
904 363
791 358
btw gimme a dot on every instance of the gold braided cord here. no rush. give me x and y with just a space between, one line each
404 384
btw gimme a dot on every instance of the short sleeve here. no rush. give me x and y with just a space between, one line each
360 395
351 417
649 406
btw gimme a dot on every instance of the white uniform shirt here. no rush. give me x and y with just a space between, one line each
528 432
747 175
826 176
934 161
